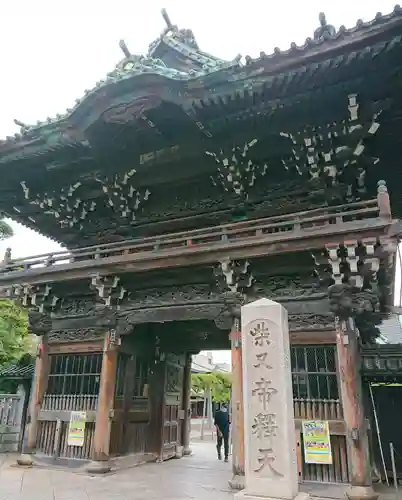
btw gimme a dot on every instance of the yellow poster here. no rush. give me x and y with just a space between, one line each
76 430
317 443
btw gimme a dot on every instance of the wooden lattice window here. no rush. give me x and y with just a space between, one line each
314 372
74 374
141 375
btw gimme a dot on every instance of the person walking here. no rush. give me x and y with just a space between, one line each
222 425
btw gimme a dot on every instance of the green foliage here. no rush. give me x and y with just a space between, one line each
6 230
14 338
219 383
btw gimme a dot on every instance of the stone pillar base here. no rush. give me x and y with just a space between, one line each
361 493
187 451
243 495
99 467
25 460
238 482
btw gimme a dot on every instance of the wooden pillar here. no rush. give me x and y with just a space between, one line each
353 410
186 427
157 408
39 390
101 443
237 482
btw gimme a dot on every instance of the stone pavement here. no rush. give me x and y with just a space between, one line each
199 477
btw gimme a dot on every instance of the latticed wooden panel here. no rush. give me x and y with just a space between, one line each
337 472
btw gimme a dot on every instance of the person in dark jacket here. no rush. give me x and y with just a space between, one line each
222 424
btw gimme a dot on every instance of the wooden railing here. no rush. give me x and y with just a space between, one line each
301 224
318 409
81 402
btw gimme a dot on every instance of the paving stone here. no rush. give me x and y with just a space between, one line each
197 477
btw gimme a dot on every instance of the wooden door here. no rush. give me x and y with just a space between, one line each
172 407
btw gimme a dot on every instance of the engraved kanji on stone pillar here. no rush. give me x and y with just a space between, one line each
270 465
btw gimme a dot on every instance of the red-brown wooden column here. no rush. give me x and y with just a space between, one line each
186 427
100 454
353 410
38 391
237 481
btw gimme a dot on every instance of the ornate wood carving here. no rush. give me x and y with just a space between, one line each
306 322
288 286
76 335
77 307
39 323
148 297
172 313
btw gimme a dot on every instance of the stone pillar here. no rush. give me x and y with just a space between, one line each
353 411
270 456
237 481
186 427
100 455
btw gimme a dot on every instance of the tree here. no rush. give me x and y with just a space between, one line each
14 338
219 383
6 231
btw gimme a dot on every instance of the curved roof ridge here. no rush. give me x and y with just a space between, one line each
326 33
184 40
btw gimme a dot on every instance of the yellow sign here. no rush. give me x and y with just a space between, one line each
317 443
76 430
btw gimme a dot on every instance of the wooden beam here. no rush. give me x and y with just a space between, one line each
62 415
76 347
313 337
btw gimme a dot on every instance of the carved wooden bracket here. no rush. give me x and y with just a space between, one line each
234 276
109 289
39 323
37 297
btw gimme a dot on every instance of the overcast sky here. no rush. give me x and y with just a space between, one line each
51 51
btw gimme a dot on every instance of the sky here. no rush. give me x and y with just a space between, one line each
52 51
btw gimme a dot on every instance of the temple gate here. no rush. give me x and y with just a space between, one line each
184 186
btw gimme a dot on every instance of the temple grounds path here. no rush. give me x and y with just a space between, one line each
199 477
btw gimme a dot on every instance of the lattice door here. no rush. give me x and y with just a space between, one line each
172 407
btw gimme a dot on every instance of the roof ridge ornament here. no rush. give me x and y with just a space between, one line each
325 31
169 25
124 48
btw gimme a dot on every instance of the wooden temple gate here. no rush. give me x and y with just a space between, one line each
74 382
184 186
124 369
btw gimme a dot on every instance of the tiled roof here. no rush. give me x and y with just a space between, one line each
183 42
382 361
326 34
15 371
391 330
